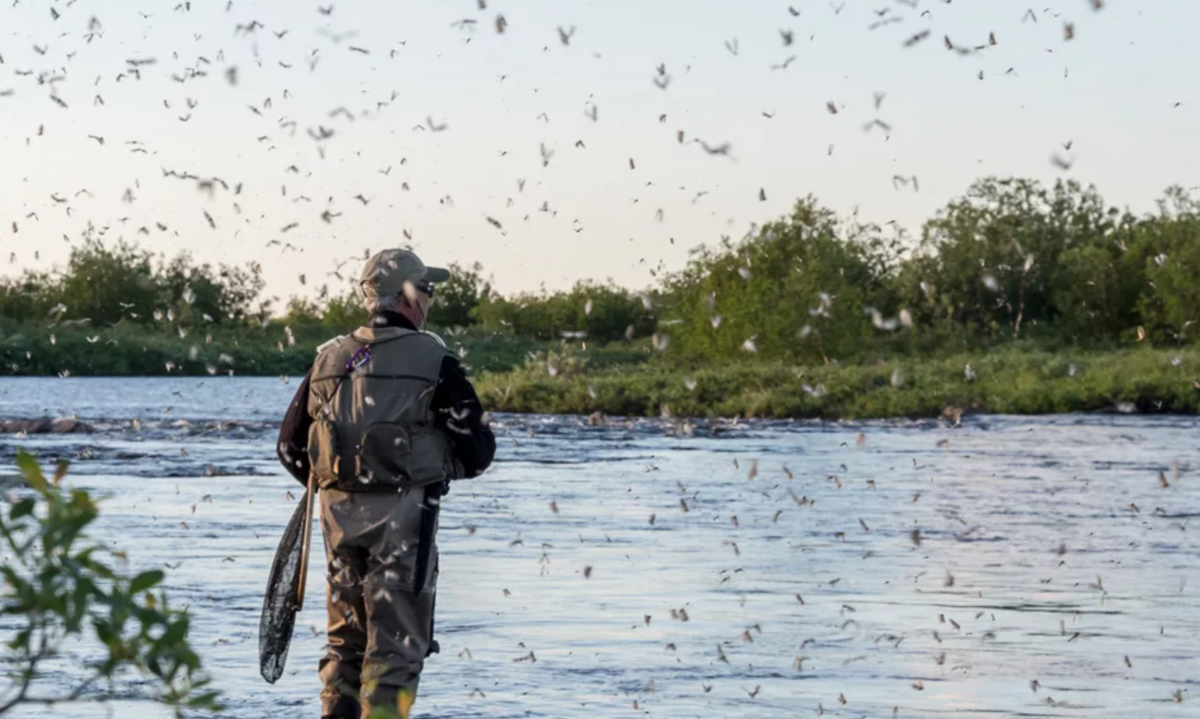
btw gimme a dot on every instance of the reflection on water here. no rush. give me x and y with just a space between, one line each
932 570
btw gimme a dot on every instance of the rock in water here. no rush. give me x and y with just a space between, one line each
62 425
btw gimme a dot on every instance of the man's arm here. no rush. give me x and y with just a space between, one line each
293 434
460 415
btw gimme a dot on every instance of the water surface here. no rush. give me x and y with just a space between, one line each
1047 550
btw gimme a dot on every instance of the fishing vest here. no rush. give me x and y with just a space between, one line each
369 398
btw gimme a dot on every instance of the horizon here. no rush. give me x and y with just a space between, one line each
947 127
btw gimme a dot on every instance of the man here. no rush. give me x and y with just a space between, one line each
384 420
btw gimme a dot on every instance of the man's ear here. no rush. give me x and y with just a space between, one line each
410 292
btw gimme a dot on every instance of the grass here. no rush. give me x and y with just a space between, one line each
1015 382
518 375
139 350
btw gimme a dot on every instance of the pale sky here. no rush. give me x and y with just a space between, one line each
1111 90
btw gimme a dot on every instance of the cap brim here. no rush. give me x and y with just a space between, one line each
436 274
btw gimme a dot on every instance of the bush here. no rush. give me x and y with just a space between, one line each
106 285
1167 248
27 298
1009 381
1011 262
799 289
604 313
455 301
991 261
58 588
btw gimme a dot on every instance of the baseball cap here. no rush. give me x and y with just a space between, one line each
386 273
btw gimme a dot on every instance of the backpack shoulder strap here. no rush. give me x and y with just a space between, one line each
330 343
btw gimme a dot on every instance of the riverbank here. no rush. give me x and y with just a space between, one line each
631 379
1005 382
129 350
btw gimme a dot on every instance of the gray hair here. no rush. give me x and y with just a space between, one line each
387 303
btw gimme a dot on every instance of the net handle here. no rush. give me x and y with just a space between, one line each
306 540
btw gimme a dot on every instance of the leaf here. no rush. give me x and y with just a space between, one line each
21 640
104 632
207 700
13 579
60 471
101 570
54 593
175 633
24 508
28 466
145 581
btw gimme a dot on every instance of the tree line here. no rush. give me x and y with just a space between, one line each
111 284
1011 261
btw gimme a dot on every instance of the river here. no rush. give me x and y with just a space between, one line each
859 569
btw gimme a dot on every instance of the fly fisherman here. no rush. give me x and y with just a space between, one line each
384 420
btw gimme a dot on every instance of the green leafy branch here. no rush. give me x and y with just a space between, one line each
56 586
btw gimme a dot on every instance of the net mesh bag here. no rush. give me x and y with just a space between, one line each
279 603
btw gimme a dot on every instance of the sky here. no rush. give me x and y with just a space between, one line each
610 196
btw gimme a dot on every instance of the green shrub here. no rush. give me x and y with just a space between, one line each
59 587
1011 381
1011 264
798 289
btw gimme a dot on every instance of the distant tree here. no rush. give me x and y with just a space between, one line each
992 258
303 312
1166 249
530 315
455 300
495 314
1099 284
29 297
109 283
241 289
192 291
608 313
603 313
799 288
342 313
105 283
1011 259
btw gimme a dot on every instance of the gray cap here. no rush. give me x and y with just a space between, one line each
386 273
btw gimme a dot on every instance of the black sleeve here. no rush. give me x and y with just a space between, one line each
292 448
460 415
